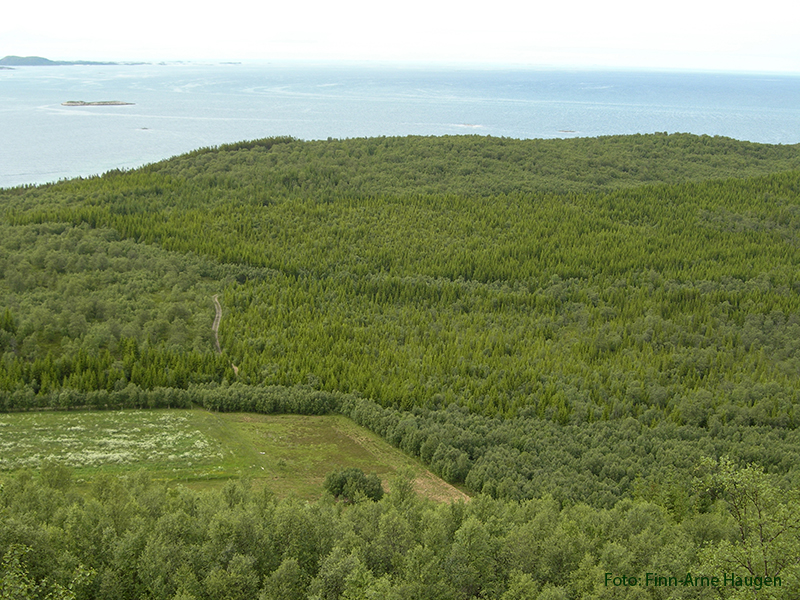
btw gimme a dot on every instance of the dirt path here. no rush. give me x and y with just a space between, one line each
215 328
217 319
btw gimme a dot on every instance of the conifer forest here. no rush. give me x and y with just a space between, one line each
597 340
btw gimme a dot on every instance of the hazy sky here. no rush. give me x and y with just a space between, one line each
681 34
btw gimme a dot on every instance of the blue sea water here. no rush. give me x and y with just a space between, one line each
179 107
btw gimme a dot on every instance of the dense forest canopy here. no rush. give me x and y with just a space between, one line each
581 322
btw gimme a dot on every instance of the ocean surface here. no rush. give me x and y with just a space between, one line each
180 107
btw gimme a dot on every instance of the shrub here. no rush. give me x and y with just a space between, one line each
352 485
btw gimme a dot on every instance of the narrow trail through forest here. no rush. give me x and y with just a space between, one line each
215 329
217 319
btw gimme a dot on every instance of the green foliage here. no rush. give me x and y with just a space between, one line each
98 314
132 538
766 527
481 281
463 165
15 584
287 582
517 458
581 318
352 484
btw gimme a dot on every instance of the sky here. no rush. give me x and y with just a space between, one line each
679 34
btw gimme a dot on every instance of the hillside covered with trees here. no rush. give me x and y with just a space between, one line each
584 327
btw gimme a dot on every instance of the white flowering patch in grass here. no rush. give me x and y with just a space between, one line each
96 439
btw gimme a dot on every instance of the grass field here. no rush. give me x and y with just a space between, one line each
290 454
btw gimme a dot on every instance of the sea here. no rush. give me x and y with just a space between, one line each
173 108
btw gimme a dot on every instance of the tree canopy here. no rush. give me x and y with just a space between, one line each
566 327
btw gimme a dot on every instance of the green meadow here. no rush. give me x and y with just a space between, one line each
288 454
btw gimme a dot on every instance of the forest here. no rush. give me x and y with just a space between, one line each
598 339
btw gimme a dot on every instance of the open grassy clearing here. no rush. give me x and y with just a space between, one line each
290 454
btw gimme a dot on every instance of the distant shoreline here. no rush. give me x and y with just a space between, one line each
9 62
100 103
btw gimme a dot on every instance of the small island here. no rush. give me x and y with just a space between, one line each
100 103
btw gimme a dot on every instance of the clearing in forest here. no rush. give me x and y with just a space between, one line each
289 454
